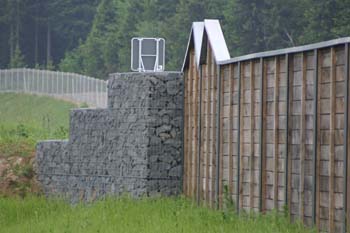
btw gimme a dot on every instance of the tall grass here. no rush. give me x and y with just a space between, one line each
26 119
35 214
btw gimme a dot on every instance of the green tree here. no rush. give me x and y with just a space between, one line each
107 48
248 25
320 16
93 36
284 22
45 30
97 56
17 60
342 19
178 27
260 25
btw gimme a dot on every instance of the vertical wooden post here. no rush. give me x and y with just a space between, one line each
238 202
276 129
214 141
346 138
199 142
252 127
332 143
261 138
230 133
286 158
194 129
209 112
221 156
315 159
302 137
290 123
218 138
204 131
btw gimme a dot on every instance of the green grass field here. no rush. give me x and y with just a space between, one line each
34 215
26 119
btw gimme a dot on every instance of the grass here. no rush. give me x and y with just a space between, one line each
26 119
35 214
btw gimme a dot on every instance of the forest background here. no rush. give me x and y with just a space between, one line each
92 37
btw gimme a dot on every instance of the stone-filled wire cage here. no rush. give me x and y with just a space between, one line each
134 146
161 108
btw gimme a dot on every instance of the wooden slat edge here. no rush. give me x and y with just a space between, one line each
209 80
276 130
221 155
332 143
302 138
215 113
230 134
252 129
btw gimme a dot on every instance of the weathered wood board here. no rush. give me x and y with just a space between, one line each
266 134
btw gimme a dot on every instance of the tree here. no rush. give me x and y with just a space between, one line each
248 25
45 30
90 57
107 48
341 19
320 16
93 36
260 25
178 27
284 23
17 59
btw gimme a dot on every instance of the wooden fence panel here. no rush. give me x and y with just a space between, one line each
268 131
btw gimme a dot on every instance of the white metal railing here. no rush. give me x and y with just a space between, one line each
61 85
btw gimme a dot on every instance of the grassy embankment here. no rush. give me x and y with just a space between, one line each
24 120
124 215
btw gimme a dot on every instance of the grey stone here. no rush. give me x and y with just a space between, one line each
172 87
163 129
132 146
164 136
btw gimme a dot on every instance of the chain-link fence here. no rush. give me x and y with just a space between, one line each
67 86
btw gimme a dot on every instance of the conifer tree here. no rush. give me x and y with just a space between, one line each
17 60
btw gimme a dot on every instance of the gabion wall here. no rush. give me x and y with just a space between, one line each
134 146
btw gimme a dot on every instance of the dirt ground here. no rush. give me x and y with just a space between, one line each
17 177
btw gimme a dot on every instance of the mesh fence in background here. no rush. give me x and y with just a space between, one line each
67 86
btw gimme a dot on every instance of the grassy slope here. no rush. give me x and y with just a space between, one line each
31 109
126 216
25 119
